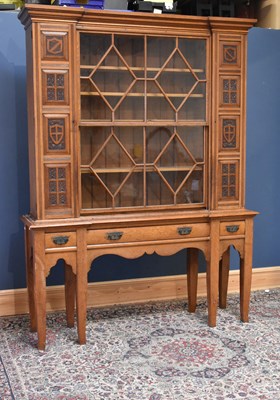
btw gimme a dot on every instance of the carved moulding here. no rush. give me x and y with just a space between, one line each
69 258
139 250
238 244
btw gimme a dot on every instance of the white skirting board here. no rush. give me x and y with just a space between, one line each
13 302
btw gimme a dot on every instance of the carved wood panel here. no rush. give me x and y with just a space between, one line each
55 87
230 54
57 186
54 46
229 180
229 128
56 134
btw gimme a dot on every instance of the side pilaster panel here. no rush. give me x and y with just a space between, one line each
229 81
55 126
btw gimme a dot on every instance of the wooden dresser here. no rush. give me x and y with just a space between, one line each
136 145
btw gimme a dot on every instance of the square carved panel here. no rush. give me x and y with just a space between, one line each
229 180
55 87
57 186
56 134
229 133
54 46
230 54
230 91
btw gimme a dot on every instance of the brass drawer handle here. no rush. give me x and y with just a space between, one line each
114 235
232 228
60 240
186 230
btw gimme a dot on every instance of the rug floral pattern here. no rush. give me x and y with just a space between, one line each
147 352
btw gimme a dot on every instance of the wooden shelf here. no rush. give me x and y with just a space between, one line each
139 168
120 94
136 69
141 123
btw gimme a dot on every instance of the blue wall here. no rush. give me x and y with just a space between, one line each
14 189
263 144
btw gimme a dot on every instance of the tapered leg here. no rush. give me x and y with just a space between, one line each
223 278
70 294
81 284
40 288
246 272
213 274
192 275
30 279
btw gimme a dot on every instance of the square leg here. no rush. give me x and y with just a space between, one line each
223 278
70 294
30 278
192 276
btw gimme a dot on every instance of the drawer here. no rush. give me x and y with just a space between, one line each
60 240
232 228
141 234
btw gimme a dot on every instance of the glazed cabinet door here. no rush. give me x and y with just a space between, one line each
143 121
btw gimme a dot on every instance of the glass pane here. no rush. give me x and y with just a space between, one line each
194 51
158 193
174 178
94 195
131 192
194 107
175 155
112 83
112 181
95 108
158 106
132 50
176 76
131 139
92 139
105 147
156 139
158 51
93 47
193 139
131 106
192 190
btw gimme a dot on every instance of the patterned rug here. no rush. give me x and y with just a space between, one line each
147 352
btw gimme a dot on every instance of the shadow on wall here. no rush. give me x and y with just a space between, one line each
14 199
16 253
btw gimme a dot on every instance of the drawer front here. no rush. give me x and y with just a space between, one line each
60 240
147 233
232 228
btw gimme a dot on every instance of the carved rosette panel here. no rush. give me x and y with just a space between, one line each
54 46
229 180
57 186
55 87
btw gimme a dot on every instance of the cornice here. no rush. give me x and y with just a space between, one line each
132 20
